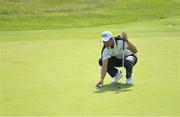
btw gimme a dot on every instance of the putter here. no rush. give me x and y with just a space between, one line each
123 53
122 58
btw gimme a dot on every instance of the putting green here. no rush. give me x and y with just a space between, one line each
54 72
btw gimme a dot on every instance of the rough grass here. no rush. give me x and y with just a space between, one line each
52 6
47 14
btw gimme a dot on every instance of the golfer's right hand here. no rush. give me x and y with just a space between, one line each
99 83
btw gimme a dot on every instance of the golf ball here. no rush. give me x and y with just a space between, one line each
100 85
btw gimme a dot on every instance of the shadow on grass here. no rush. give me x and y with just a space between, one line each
116 88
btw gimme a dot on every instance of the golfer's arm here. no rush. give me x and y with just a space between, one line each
132 47
104 69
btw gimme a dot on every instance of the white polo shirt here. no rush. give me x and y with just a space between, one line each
116 51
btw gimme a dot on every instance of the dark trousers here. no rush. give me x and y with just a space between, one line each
113 62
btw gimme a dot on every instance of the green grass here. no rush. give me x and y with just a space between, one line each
54 71
47 74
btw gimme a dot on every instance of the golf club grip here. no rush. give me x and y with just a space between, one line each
123 43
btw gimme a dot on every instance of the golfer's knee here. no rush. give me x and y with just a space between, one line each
128 63
100 61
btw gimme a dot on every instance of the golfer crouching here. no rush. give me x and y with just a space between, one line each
117 52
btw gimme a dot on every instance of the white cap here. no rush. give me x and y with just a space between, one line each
106 35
